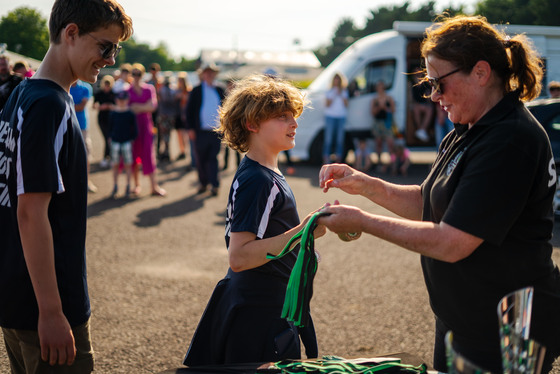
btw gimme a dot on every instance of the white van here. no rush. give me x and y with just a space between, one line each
389 56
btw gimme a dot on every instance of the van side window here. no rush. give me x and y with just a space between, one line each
373 72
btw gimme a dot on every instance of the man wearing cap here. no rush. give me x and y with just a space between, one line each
554 89
202 119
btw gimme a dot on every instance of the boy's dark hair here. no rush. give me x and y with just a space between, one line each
89 15
254 100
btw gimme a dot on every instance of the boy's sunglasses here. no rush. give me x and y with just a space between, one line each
108 49
435 83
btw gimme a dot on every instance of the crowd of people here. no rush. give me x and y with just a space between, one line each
162 103
481 231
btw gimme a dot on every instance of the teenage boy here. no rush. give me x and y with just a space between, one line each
45 309
242 322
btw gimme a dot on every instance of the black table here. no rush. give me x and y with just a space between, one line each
252 368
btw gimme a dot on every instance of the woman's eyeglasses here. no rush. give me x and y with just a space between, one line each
108 49
435 83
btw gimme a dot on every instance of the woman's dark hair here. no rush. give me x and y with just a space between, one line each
466 40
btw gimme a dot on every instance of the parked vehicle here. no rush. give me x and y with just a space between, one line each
391 56
547 112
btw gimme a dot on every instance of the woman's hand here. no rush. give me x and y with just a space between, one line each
320 230
342 176
342 219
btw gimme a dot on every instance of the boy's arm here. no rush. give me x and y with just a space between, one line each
246 252
55 334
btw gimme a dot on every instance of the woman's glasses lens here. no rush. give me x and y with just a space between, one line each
435 83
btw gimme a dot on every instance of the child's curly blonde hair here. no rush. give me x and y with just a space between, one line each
254 100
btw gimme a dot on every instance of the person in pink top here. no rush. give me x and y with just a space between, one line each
23 69
143 102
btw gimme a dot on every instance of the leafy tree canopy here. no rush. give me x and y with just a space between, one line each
521 12
25 31
379 19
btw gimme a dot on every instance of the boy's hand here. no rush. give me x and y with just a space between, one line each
56 339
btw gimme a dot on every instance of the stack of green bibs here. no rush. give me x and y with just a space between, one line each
300 284
333 364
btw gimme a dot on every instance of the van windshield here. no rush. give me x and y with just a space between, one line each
362 81
342 64
366 79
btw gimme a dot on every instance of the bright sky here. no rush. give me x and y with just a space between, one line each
187 26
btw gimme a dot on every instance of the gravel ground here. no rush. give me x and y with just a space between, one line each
153 263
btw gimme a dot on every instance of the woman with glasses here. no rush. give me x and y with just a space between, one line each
143 102
482 219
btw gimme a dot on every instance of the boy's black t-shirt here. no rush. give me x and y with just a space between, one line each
123 126
261 202
42 150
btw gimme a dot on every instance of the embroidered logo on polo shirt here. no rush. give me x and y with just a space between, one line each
454 162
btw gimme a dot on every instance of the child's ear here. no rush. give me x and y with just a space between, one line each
252 127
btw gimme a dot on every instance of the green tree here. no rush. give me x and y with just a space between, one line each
134 51
344 35
522 12
380 19
383 17
25 31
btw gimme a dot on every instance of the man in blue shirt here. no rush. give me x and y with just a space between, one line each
202 119
81 93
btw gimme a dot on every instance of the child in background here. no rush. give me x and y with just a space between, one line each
363 156
400 158
122 122
242 321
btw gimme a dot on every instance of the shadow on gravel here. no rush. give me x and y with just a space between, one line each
169 172
101 206
153 217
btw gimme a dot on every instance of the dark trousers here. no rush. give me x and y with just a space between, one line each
207 145
105 128
24 352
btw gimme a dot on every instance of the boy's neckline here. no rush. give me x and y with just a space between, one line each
274 169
